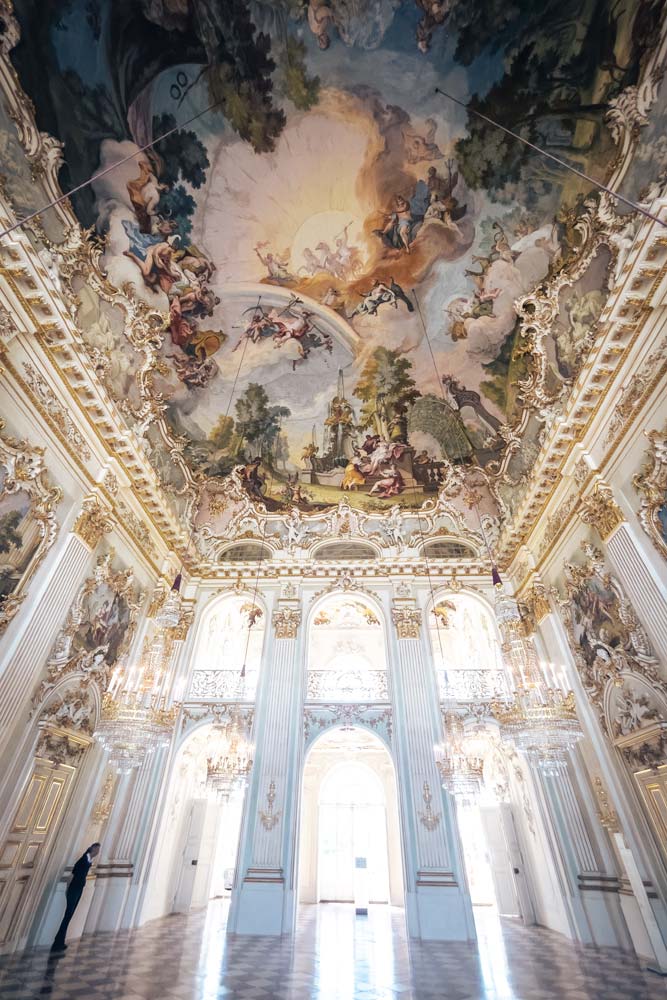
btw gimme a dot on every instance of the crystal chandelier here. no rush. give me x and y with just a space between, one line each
542 723
538 720
460 767
132 726
138 713
231 763
169 614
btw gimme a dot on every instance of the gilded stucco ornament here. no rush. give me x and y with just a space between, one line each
71 707
56 411
286 622
537 601
407 620
270 817
428 817
606 814
651 484
94 521
377 719
645 747
104 802
60 747
28 522
600 510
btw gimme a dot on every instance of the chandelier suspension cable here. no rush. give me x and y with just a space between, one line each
550 156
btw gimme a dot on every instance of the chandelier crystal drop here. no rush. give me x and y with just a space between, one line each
230 765
540 721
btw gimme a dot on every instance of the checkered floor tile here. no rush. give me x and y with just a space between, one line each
333 956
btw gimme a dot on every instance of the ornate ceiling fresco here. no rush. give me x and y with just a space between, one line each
354 288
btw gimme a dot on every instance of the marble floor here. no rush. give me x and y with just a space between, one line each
334 956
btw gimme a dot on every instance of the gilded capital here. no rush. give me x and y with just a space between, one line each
537 607
94 521
600 510
407 622
286 622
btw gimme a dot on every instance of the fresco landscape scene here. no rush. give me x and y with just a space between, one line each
337 248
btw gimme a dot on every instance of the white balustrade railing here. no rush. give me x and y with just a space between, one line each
472 685
222 685
347 685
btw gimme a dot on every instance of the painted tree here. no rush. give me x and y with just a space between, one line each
257 423
9 536
562 64
282 449
222 433
387 391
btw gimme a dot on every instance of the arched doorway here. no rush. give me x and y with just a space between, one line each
349 810
470 672
199 831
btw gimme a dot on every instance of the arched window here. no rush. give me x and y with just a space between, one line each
449 548
345 550
346 658
466 649
247 552
231 635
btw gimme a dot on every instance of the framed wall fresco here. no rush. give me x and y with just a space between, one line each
28 525
613 653
651 484
98 630
363 285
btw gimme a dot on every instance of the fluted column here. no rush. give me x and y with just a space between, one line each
264 899
34 642
593 886
600 510
436 893
641 856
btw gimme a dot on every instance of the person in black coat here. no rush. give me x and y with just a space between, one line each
74 892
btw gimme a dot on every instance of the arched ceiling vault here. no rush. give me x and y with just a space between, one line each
337 294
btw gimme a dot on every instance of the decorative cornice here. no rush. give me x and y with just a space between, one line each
94 521
600 510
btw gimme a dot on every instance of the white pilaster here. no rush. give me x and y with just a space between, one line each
637 835
22 669
636 575
437 900
264 898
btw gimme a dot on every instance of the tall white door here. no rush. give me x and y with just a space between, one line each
348 831
519 870
507 899
194 828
